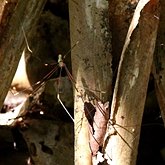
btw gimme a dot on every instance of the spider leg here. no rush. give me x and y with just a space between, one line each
70 77
58 97
47 76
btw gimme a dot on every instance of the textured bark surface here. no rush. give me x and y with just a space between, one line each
159 62
91 65
2 7
121 12
12 40
130 89
6 10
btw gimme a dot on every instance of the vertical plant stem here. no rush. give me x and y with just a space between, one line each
91 65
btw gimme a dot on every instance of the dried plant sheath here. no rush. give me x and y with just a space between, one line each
131 86
12 40
97 124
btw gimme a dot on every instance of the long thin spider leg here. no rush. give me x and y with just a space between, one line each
70 77
48 75
70 50
59 81
87 109
58 97
124 127
74 84
41 82
69 74
122 138
100 108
